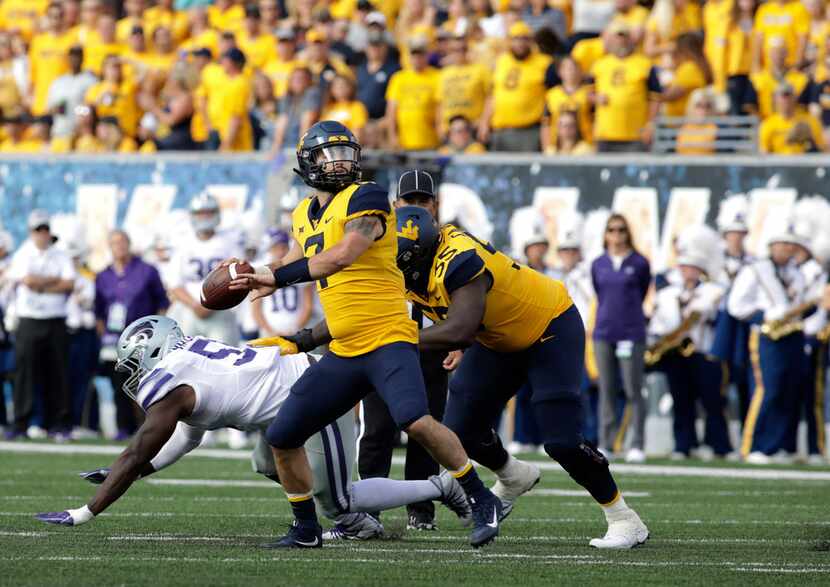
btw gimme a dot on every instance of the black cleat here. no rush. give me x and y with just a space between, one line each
299 536
486 515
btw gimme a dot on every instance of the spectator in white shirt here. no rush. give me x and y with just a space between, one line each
67 93
44 278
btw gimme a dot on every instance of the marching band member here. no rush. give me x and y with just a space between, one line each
812 215
683 324
731 335
770 295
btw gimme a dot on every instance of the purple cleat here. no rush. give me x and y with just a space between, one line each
60 518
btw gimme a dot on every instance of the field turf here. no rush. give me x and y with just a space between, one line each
705 531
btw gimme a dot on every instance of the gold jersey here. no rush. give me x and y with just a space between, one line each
520 304
365 303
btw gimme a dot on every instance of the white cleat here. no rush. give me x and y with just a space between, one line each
624 533
758 458
356 526
635 456
515 478
816 460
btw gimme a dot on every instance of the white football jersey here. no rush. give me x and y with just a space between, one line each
282 308
195 258
240 388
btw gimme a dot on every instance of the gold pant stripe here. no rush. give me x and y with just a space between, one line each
620 437
757 394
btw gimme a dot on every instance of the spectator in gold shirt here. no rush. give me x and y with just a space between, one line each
115 96
512 115
460 139
104 45
790 131
47 57
412 102
257 43
463 85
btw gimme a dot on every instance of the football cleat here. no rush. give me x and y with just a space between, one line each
635 456
358 526
626 532
63 518
486 510
299 536
758 458
518 480
421 521
452 496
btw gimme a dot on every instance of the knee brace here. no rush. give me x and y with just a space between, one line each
587 466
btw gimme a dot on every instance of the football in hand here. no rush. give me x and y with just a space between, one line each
215 294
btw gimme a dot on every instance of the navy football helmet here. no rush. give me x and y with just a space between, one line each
328 156
417 242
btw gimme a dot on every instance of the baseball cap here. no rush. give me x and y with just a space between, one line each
285 34
202 52
38 218
519 29
376 18
418 43
236 55
416 181
252 11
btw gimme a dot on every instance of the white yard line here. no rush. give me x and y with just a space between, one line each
658 470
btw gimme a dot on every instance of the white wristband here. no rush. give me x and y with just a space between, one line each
81 515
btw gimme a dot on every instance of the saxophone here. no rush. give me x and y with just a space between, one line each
789 323
677 340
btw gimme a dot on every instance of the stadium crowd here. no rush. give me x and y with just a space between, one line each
744 338
458 76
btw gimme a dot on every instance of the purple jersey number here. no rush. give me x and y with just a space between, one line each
200 348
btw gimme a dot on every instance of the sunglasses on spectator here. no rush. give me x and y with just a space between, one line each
620 229
41 228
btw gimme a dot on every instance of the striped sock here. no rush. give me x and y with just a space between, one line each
469 480
302 505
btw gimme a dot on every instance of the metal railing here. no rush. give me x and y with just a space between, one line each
716 134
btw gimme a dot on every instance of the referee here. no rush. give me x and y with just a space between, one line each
378 431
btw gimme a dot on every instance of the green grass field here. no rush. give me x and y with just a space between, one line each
705 530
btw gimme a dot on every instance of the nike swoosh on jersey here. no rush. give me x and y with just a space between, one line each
547 338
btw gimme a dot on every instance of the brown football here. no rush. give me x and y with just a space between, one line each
215 292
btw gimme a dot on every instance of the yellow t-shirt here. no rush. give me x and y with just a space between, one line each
416 96
587 52
690 77
208 39
519 90
22 15
557 100
364 304
226 20
627 84
95 53
280 71
352 114
47 62
125 25
782 22
696 139
88 144
85 35
520 303
686 21
118 101
228 99
462 90
176 21
474 148
258 50
774 130
10 98
765 83
24 146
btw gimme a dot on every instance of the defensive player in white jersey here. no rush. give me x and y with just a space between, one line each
193 260
288 309
187 385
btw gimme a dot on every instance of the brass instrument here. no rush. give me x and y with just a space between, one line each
823 335
789 323
676 340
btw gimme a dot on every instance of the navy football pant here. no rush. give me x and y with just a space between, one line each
334 385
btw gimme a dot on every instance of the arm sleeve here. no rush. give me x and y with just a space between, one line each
653 82
184 440
462 269
67 269
369 198
645 278
659 324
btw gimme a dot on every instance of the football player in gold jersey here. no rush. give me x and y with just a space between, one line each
344 238
518 327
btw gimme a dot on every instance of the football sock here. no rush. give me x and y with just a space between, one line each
303 507
587 467
378 493
489 452
615 509
469 480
